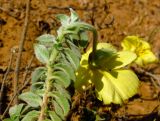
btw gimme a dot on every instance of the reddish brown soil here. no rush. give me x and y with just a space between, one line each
114 19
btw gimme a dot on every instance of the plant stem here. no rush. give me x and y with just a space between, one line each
94 46
48 83
45 96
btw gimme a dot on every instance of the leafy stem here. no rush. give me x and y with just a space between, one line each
45 96
49 99
80 25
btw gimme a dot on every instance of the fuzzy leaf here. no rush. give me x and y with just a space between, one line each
36 86
116 86
84 40
103 57
26 109
16 110
64 19
74 38
62 101
58 110
47 120
54 116
38 73
46 38
41 53
31 99
39 92
31 116
74 16
62 91
74 48
61 78
67 69
8 119
72 58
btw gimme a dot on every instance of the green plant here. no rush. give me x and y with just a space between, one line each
48 98
102 65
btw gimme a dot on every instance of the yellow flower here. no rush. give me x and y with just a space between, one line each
141 48
112 83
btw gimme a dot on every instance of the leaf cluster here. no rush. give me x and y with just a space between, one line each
61 56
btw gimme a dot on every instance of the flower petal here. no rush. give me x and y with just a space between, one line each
116 86
130 43
106 46
122 59
145 58
133 43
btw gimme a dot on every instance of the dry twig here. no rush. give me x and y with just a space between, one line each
153 76
27 69
4 79
14 96
21 44
25 82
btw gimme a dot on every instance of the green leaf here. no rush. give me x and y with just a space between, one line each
79 39
31 116
38 73
116 86
64 19
122 59
103 57
39 92
54 116
46 38
67 69
54 52
26 109
58 110
72 58
41 53
16 110
61 78
62 101
74 48
31 99
8 119
74 38
47 120
61 90
84 40
37 86
74 15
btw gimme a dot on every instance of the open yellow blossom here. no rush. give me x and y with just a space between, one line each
113 84
141 48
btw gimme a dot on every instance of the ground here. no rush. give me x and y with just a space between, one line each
113 19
